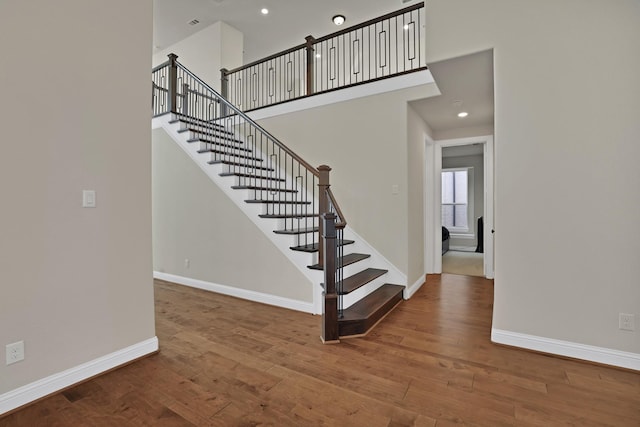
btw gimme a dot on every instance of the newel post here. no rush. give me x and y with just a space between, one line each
330 333
310 64
173 84
323 206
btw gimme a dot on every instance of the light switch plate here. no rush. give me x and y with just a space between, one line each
88 199
15 352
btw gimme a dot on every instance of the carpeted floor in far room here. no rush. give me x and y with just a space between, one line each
465 263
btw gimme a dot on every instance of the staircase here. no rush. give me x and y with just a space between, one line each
293 199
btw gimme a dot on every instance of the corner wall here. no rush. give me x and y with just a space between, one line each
76 283
566 156
204 53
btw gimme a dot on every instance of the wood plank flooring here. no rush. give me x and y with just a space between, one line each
228 362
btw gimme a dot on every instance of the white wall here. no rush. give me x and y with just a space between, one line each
204 53
193 219
76 284
365 142
417 133
566 132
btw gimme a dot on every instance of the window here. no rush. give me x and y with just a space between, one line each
455 199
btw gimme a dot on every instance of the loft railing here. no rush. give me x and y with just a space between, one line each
291 188
384 47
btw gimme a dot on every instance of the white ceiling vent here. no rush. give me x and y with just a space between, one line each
193 22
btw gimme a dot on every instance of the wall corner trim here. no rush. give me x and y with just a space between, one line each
306 307
56 382
591 353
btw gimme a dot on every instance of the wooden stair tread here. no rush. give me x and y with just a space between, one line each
198 122
313 247
220 144
363 315
224 153
231 143
279 202
206 130
258 188
253 176
285 216
294 231
344 261
354 282
242 165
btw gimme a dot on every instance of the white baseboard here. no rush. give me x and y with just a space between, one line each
292 304
410 290
606 356
56 382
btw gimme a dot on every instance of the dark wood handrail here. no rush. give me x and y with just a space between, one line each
268 58
204 95
341 222
248 119
327 37
161 66
155 86
369 22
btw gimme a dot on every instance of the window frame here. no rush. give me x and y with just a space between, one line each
469 229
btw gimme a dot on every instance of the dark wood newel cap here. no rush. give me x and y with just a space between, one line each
324 168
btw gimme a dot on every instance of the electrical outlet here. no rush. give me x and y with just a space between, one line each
187 263
626 322
15 352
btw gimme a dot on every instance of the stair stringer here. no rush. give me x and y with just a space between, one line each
283 242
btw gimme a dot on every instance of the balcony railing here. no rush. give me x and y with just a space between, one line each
384 47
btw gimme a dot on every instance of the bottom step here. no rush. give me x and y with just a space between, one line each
363 315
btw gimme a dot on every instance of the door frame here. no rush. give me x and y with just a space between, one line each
433 198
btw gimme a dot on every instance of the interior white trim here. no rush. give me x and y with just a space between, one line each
410 290
56 382
591 353
260 297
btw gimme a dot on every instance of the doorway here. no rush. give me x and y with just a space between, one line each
481 235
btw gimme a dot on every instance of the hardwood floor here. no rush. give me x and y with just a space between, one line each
228 362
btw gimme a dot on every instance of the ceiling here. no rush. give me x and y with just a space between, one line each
286 25
466 84
468 79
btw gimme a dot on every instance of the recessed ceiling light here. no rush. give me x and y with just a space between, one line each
338 19
264 11
406 26
463 114
318 55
